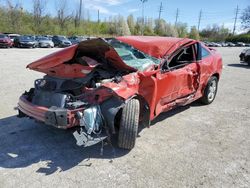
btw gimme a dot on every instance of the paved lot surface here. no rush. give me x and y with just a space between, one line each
195 146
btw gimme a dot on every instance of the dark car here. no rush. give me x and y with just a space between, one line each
245 56
113 86
5 41
61 41
240 44
25 42
230 44
77 39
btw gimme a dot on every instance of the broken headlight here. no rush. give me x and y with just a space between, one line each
47 85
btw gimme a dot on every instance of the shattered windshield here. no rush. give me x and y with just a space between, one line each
132 56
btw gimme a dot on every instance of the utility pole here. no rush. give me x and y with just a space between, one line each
176 16
199 20
80 11
160 10
166 8
142 28
235 20
98 15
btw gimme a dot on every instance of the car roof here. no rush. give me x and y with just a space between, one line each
155 46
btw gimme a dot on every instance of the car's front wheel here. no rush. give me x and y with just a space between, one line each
210 91
129 124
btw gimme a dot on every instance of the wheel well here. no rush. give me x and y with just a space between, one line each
216 75
144 112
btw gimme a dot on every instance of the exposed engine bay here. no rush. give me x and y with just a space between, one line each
70 93
82 95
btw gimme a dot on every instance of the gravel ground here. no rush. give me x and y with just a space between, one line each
193 146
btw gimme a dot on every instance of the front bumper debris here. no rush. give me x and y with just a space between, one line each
85 140
57 117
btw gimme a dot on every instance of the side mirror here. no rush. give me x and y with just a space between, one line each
164 65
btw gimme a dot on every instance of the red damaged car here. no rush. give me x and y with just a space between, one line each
113 86
5 41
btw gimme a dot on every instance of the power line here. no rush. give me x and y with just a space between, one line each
235 20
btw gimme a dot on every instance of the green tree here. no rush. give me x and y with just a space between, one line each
122 27
245 19
14 16
194 34
148 28
182 29
171 31
160 27
131 23
38 12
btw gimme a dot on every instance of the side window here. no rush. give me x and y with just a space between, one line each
183 57
204 52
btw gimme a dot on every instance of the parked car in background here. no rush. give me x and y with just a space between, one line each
76 39
5 41
13 36
241 44
230 44
112 86
223 44
25 42
216 44
213 44
61 41
44 42
48 36
245 56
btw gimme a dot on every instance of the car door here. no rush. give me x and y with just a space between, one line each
178 80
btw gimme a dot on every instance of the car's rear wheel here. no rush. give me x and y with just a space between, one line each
129 124
210 91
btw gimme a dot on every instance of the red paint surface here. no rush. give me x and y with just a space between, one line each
155 46
161 90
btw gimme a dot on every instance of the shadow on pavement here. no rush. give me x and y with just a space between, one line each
24 142
242 65
174 111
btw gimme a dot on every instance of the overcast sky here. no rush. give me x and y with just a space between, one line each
213 11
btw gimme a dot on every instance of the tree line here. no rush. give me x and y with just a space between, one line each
14 19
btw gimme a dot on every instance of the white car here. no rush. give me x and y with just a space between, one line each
13 36
44 42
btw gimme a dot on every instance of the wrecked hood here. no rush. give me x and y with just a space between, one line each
64 62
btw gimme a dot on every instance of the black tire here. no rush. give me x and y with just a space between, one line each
129 124
207 98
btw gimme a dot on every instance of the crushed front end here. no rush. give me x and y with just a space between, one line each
84 102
